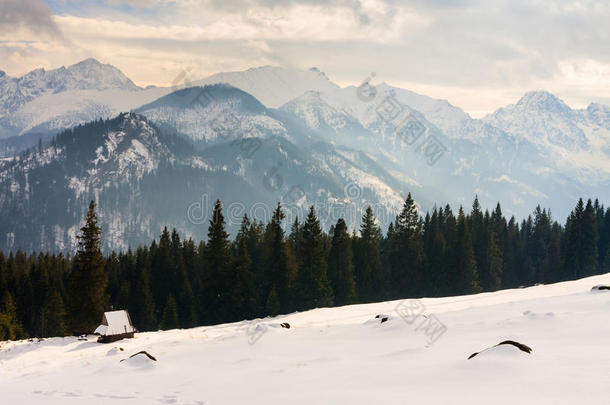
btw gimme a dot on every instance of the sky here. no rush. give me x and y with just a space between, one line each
479 55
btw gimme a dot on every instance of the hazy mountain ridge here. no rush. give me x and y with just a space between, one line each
317 147
146 176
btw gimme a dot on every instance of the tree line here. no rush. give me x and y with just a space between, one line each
265 270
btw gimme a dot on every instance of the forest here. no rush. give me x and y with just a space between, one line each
272 268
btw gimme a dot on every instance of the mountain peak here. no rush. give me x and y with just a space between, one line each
273 85
88 62
205 96
542 100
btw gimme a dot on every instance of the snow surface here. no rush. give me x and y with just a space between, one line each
342 355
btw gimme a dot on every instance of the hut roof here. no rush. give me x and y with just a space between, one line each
115 323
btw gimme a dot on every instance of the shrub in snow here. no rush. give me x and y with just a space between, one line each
383 317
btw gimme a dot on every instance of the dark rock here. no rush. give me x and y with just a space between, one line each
145 353
520 346
385 318
600 288
285 325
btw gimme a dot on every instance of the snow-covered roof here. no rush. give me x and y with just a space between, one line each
115 323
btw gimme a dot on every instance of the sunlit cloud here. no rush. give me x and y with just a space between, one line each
477 55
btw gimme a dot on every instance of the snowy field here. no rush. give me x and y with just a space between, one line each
344 355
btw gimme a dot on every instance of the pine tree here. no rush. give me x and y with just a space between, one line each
163 272
214 305
170 314
367 264
604 239
436 251
278 261
142 311
463 267
341 267
55 315
241 293
313 288
10 328
589 256
272 305
407 256
573 242
88 278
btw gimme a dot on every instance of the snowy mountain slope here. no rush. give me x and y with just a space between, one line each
213 113
86 75
146 173
49 101
273 86
496 165
537 152
332 355
53 112
221 115
578 139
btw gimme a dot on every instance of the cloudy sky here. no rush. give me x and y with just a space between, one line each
479 55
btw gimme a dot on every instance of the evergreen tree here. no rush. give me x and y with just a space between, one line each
10 328
436 252
241 291
88 280
313 288
407 253
214 305
573 242
163 272
367 263
55 315
170 314
142 311
463 267
341 267
589 256
272 305
279 264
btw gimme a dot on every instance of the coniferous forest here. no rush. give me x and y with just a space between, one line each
265 270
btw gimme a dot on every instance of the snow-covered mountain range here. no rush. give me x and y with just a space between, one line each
45 102
274 134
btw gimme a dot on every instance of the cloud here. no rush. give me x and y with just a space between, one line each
477 54
32 15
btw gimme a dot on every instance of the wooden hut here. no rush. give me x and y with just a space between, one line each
116 325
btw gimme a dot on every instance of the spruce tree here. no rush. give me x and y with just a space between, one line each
462 266
340 266
436 252
367 264
88 279
214 303
407 256
142 311
10 328
241 292
170 314
589 256
272 304
313 288
278 262
573 243
55 315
